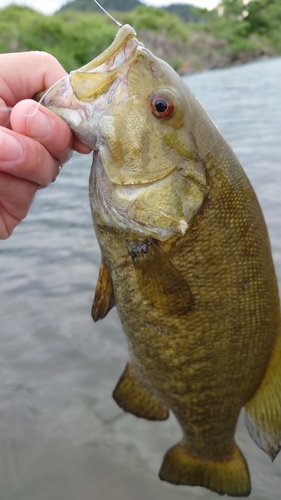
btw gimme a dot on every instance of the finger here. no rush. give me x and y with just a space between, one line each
35 121
80 147
35 71
4 114
26 158
29 118
16 196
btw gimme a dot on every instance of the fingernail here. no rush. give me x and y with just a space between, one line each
39 124
10 148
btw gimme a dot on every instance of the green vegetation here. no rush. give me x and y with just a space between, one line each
157 21
185 12
187 37
91 6
255 26
73 38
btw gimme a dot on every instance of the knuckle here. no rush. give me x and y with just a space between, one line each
46 57
60 141
66 155
42 166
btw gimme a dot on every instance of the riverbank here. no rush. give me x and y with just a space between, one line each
189 47
203 52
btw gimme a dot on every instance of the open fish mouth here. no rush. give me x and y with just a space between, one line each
112 56
74 96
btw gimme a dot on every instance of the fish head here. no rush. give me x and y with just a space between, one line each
134 110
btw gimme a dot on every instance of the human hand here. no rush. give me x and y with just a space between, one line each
34 142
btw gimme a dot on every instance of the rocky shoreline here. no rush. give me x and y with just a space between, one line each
203 52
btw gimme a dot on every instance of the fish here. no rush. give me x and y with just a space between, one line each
186 260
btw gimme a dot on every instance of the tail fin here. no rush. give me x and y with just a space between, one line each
229 477
263 411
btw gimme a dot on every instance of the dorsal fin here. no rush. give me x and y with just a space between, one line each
104 295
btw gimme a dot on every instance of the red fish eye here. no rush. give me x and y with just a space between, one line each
162 106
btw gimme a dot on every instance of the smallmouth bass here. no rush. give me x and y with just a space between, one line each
186 260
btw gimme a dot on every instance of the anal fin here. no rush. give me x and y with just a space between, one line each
104 295
228 477
134 398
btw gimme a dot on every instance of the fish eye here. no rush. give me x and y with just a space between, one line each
162 106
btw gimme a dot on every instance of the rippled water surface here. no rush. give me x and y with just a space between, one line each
62 437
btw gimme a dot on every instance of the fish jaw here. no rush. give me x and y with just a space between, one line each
81 97
61 99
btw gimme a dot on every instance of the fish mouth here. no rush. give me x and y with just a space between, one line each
93 79
144 184
124 34
74 97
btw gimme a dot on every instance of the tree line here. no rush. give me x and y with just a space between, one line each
75 36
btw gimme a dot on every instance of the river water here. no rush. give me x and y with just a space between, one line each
62 437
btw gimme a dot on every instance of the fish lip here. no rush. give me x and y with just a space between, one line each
76 97
50 89
124 33
138 185
129 185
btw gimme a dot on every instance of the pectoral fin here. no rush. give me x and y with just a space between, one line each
161 283
104 295
134 398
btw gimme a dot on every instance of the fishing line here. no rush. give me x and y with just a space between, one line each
6 108
117 22
10 108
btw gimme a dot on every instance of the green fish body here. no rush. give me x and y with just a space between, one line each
186 259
